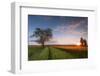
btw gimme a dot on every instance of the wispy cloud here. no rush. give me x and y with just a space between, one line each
71 29
47 18
64 41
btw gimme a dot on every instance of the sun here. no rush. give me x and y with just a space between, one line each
78 44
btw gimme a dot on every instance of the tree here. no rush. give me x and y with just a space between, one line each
83 42
42 35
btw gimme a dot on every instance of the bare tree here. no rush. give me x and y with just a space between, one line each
42 35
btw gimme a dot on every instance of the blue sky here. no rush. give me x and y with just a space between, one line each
67 30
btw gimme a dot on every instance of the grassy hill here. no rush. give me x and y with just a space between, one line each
56 52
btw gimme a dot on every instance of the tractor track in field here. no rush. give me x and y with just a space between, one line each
49 54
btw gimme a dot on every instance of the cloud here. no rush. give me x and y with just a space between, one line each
71 29
47 17
67 40
64 41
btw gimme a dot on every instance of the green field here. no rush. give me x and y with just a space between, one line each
54 52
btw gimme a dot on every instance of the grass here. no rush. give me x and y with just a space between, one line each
55 52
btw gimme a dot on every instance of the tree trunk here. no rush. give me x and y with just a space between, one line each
43 44
49 55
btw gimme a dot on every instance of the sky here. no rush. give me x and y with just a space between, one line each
66 30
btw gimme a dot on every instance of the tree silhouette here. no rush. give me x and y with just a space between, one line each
83 42
42 35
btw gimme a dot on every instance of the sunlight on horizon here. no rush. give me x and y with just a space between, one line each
78 44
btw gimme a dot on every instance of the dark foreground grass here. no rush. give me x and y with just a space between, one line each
51 53
77 53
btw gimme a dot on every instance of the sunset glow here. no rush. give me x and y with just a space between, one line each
66 30
78 44
57 37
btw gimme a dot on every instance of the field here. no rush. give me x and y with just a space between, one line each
52 52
